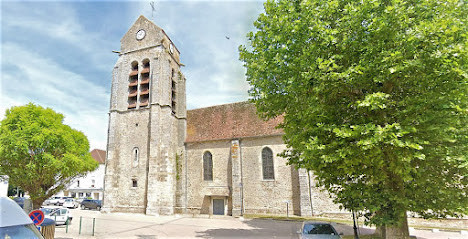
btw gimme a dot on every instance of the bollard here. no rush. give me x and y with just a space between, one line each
94 223
48 228
80 226
287 207
66 227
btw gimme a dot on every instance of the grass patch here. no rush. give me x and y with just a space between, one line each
342 221
296 218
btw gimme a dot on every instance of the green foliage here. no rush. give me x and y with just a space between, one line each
41 154
374 96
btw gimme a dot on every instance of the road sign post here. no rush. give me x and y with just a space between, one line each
37 216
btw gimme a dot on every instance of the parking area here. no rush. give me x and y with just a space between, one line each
121 225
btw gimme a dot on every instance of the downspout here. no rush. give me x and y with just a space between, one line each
186 178
310 194
241 178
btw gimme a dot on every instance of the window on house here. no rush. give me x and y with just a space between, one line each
267 164
78 183
134 183
92 183
207 166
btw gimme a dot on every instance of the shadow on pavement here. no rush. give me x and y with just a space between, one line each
146 236
268 228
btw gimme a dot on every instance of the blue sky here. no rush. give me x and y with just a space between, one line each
58 54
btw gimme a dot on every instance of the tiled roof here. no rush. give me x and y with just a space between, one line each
99 155
230 121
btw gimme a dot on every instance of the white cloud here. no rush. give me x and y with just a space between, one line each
208 36
35 78
57 23
48 47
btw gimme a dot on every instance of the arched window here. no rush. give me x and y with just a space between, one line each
207 166
144 83
134 66
133 86
267 164
136 156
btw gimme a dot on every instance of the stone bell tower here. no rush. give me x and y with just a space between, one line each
147 121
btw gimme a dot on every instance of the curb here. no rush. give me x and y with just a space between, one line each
434 230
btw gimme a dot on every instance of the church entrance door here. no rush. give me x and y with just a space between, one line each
218 206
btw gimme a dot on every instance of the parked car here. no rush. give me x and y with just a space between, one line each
91 204
318 230
61 200
59 215
18 225
70 203
53 201
46 202
49 209
20 201
24 203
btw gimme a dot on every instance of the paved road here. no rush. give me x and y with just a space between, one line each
119 225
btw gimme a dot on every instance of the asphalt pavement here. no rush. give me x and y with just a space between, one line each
94 224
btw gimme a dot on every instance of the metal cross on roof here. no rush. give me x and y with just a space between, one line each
152 9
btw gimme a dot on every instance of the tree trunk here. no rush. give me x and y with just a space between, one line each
37 203
399 230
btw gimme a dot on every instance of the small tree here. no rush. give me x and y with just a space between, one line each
41 154
374 96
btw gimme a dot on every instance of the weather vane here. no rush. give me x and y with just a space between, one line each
152 9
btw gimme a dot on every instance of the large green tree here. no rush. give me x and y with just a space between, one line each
374 96
41 154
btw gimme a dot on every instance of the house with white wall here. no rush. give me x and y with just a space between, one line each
3 185
92 184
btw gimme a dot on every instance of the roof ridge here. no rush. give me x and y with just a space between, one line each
226 104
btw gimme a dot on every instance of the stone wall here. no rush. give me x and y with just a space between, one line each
130 132
199 191
248 192
237 165
266 196
153 128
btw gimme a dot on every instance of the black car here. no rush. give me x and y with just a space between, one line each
20 201
91 204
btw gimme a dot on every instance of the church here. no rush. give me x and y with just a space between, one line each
163 159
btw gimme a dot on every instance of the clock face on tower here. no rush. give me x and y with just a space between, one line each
140 34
